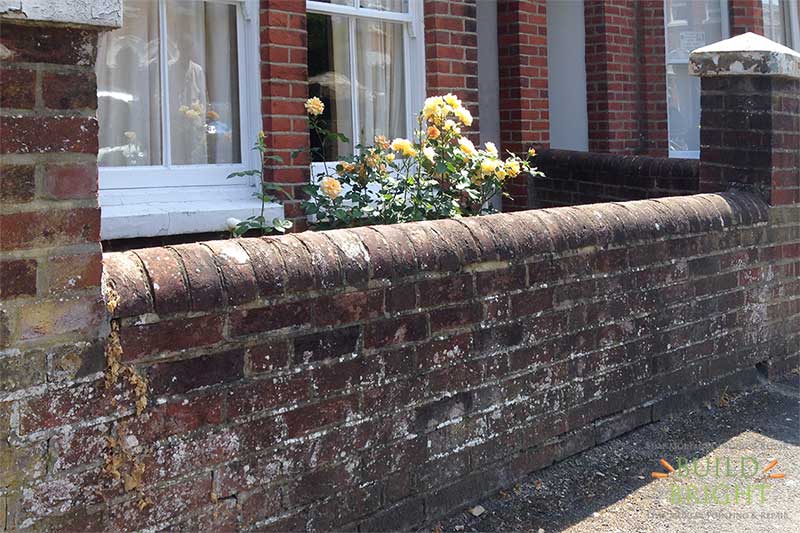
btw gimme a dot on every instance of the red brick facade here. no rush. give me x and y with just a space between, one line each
524 112
451 51
451 63
745 16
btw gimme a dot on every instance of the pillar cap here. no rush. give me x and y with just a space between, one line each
101 14
748 54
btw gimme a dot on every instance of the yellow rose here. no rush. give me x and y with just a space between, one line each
404 146
464 116
449 125
348 167
466 146
452 100
261 135
382 142
330 187
532 152
501 174
390 157
432 107
488 166
512 167
491 148
314 106
429 153
433 132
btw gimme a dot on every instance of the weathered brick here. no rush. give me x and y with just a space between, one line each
139 340
395 331
325 345
70 272
69 90
21 371
34 229
18 90
17 184
42 134
57 45
181 376
277 316
17 278
72 181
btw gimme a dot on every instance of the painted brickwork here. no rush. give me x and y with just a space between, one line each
573 178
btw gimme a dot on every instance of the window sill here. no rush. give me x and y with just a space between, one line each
179 217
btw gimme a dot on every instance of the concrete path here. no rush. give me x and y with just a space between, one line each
610 488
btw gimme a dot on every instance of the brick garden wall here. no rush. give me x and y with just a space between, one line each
381 377
573 178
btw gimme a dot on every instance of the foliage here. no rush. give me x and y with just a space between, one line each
438 174
259 222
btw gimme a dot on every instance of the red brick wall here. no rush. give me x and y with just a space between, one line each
745 15
524 111
284 89
52 316
451 51
386 376
574 178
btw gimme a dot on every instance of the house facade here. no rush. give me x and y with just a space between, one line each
184 87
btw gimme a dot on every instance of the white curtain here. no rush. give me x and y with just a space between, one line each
381 79
202 69
203 82
129 89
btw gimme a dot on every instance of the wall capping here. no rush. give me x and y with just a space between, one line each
105 14
748 54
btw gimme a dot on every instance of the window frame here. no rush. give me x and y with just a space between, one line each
413 50
725 32
184 191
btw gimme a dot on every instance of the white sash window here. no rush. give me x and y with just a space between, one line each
178 95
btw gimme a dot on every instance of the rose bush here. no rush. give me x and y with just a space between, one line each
438 174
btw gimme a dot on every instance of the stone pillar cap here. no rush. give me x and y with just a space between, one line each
748 54
102 14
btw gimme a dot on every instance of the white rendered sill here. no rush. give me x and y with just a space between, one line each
178 217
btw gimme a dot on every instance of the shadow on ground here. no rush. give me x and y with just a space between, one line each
610 488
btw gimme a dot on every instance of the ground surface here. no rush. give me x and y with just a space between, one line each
609 488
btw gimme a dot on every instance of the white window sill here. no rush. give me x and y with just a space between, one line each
151 219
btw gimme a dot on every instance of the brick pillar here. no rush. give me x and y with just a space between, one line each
524 108
745 16
284 89
451 52
52 316
750 118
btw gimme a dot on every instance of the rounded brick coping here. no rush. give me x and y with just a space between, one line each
210 275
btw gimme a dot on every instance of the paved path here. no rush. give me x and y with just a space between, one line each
609 488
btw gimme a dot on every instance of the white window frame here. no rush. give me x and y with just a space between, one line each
725 32
413 60
173 199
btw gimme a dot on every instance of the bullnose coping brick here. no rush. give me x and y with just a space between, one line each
204 275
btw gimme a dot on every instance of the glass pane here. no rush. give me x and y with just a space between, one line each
203 73
381 80
337 2
775 17
398 6
129 90
690 24
329 79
